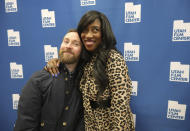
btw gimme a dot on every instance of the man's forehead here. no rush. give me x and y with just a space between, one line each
72 35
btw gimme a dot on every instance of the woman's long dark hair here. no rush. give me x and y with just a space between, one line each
108 42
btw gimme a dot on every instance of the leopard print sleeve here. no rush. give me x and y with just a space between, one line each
120 85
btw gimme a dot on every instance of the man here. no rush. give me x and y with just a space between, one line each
54 103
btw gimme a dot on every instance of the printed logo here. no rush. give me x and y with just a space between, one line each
50 52
179 72
15 98
132 13
13 37
134 119
11 6
134 88
87 2
131 52
176 111
48 18
16 70
181 31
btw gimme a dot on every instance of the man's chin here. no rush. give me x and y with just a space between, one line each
68 61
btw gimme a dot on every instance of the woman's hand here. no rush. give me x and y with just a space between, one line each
52 66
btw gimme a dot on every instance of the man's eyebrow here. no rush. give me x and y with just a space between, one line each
76 40
65 38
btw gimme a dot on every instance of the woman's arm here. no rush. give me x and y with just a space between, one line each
120 85
52 66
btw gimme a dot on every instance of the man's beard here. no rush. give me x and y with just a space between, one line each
67 57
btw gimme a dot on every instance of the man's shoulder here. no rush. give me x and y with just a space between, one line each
41 77
41 73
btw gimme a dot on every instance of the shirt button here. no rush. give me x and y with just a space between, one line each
67 92
64 123
67 108
42 124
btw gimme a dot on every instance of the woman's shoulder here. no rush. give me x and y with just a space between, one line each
115 54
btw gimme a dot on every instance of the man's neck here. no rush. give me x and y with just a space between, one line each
71 67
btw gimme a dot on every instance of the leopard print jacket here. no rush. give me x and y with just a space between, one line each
117 116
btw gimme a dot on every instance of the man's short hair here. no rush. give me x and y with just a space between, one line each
72 30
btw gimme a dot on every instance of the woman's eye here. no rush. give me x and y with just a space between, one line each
85 31
95 29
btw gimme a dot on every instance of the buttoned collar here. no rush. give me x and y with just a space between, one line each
63 69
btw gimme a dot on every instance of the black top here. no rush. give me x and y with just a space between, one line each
50 104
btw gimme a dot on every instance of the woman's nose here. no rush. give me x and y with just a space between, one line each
89 34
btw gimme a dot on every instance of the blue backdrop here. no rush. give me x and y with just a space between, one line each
154 37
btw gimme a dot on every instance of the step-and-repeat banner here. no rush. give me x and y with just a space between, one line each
153 35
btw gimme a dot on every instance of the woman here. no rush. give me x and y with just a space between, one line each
105 83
